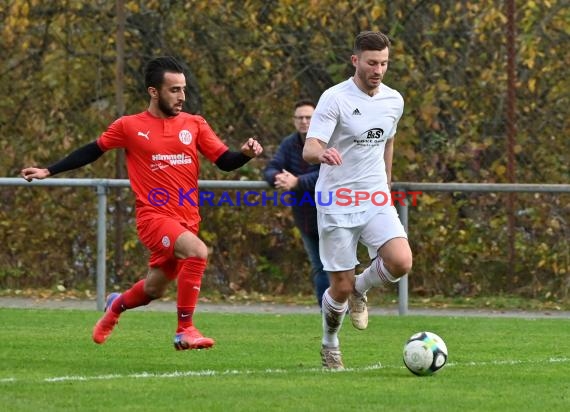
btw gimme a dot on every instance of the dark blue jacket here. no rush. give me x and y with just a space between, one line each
289 156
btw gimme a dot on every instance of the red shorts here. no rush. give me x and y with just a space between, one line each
159 233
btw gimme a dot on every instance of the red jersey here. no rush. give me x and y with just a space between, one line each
162 160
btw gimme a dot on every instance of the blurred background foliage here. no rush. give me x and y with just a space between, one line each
65 75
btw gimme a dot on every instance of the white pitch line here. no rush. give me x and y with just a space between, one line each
236 372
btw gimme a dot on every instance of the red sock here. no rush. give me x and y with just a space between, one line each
132 298
189 281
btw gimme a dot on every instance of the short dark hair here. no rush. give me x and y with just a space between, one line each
155 69
305 102
371 40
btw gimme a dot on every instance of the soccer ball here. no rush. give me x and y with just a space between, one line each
425 353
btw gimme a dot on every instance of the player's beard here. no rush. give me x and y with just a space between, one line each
366 81
370 83
165 108
375 85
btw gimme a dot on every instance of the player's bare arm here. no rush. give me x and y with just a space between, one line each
315 151
388 156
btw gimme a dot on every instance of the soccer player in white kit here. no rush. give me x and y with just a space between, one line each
352 136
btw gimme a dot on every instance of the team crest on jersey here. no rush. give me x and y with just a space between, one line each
185 137
166 241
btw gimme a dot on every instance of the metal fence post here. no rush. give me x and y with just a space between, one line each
402 207
101 244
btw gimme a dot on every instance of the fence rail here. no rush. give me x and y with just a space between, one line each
101 186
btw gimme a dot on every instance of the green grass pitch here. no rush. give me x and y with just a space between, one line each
271 362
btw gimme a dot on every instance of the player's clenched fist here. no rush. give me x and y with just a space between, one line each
30 173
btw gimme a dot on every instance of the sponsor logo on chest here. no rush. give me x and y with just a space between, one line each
371 137
161 161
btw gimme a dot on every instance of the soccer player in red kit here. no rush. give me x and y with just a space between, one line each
161 146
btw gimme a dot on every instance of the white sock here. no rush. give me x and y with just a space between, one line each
373 276
333 314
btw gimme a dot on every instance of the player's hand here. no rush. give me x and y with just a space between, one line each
252 148
286 180
30 173
331 157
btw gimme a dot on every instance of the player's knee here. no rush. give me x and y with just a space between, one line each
200 251
154 291
190 246
404 267
400 267
345 290
404 270
341 290
157 281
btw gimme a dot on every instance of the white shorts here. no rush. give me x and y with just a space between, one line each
339 235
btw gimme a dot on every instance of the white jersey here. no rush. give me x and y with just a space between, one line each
358 126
